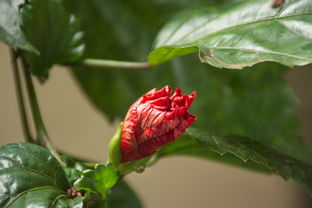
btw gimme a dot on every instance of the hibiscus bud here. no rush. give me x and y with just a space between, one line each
154 120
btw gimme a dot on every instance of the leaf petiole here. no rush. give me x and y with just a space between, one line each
105 63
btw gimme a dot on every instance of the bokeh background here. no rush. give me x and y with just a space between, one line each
76 127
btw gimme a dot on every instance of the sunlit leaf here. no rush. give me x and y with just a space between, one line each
242 36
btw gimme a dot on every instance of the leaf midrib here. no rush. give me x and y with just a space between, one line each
235 26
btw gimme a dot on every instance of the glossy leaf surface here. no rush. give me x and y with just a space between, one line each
99 180
73 168
59 39
31 177
247 34
119 196
10 22
248 150
247 102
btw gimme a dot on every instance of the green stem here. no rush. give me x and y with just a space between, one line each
42 135
20 98
115 64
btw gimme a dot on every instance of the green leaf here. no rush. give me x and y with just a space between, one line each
10 22
122 195
53 32
73 168
98 180
45 197
30 176
242 36
252 151
255 102
187 146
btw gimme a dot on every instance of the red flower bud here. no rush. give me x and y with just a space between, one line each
154 120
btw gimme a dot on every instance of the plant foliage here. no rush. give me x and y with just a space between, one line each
30 177
255 104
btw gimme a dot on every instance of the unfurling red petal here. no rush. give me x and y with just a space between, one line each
154 120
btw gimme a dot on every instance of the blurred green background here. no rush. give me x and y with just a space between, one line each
78 128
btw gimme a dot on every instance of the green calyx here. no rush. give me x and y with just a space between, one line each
114 155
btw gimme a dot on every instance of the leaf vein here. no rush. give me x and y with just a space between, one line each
238 25
25 192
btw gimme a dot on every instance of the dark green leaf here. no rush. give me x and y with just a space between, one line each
73 168
253 151
130 39
120 196
10 22
254 102
190 147
250 33
123 196
30 176
98 180
53 32
48 197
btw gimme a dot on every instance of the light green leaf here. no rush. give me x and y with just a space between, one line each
30 176
10 22
98 180
242 36
53 32
249 151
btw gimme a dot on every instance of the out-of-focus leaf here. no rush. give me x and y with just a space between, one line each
99 180
10 22
53 32
250 33
187 146
251 151
31 177
254 102
122 195
130 39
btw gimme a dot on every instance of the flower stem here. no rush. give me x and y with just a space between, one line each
42 135
105 63
20 98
